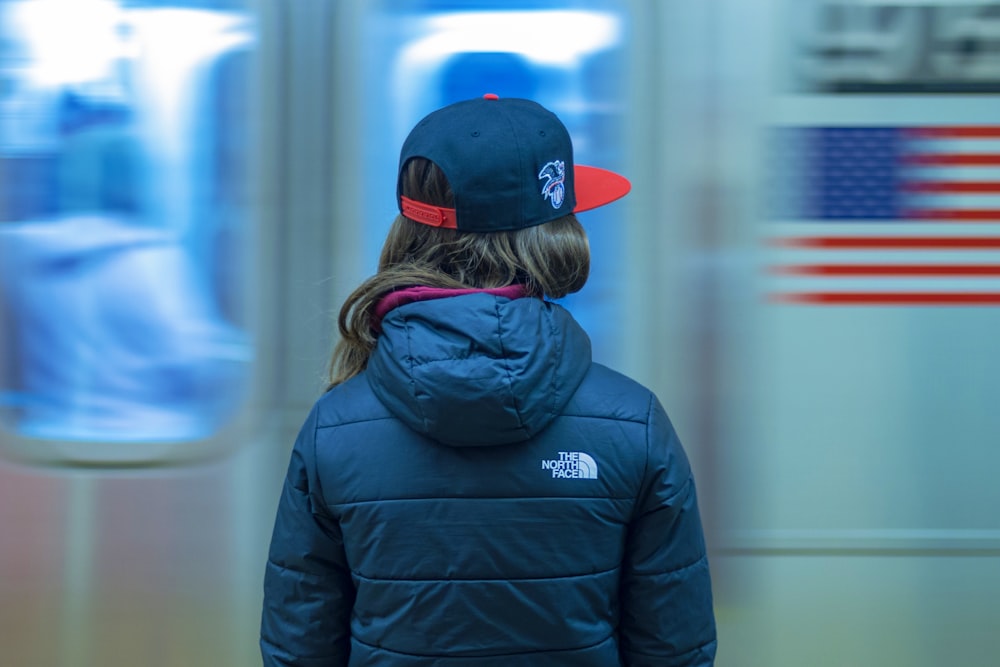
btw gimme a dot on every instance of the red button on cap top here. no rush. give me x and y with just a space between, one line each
491 96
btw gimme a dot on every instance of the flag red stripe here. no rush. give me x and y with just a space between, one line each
889 242
952 159
954 132
956 187
890 298
954 215
888 269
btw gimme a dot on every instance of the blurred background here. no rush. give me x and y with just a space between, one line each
807 272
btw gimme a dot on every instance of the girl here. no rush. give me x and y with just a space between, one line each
472 490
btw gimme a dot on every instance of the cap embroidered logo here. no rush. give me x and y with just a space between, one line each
554 188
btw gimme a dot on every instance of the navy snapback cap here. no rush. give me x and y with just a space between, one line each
509 163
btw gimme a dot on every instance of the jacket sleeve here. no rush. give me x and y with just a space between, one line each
308 592
667 615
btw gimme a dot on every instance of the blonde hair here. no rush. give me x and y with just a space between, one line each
551 260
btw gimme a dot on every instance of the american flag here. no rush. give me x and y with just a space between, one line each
885 215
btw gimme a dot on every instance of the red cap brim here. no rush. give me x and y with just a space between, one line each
597 187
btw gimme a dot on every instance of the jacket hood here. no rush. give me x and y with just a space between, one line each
478 369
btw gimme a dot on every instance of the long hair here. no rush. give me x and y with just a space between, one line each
550 260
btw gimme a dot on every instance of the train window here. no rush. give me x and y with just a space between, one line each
123 222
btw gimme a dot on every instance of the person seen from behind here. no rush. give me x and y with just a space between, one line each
473 490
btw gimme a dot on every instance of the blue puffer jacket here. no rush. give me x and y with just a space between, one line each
486 496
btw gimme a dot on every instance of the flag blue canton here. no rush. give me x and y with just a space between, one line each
837 173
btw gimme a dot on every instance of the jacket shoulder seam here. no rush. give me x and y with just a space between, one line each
630 420
355 421
354 638
438 499
494 579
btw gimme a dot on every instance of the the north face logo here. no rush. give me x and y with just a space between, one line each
572 464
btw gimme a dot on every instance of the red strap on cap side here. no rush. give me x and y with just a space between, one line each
435 216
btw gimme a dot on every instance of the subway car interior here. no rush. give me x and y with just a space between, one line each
806 272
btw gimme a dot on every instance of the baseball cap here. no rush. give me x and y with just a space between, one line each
509 163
